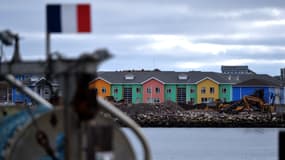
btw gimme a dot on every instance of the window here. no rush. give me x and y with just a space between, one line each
192 90
192 100
210 99
225 99
182 77
104 90
204 100
207 100
116 90
168 90
224 90
46 91
212 90
129 77
157 90
156 100
3 94
138 90
9 94
3 91
203 90
148 90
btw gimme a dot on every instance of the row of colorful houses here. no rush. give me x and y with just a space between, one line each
160 86
184 87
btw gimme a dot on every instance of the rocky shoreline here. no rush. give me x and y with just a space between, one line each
210 119
175 116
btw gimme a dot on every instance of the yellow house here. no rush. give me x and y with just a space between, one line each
207 90
102 86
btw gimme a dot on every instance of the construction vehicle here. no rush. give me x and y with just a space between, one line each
254 102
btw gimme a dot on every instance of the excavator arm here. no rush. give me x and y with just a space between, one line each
249 100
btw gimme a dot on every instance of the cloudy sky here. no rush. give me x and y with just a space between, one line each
179 35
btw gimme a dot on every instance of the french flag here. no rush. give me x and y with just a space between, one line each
68 18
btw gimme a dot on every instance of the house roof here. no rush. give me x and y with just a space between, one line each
253 80
168 77
43 80
152 78
100 78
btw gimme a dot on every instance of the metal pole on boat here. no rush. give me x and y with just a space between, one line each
107 106
47 44
72 132
281 145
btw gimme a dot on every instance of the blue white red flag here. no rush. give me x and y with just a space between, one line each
68 18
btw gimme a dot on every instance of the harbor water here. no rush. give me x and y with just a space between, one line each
210 143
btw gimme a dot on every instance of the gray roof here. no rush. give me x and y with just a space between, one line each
41 80
168 77
261 79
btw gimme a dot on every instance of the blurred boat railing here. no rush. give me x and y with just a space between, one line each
128 122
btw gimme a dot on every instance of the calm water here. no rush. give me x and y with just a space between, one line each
210 143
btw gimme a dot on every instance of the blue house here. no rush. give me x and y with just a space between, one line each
38 84
17 96
271 89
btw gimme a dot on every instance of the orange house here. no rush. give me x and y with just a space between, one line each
102 86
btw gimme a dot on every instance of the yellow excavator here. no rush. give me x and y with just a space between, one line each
252 102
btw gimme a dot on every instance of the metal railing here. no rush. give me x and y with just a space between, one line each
128 122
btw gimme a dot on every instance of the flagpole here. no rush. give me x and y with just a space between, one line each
47 45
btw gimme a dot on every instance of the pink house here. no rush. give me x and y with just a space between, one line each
153 91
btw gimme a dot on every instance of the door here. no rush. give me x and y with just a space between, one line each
181 96
128 95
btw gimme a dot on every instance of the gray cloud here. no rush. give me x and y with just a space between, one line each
268 41
221 24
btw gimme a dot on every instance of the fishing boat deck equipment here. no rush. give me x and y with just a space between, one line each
76 131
